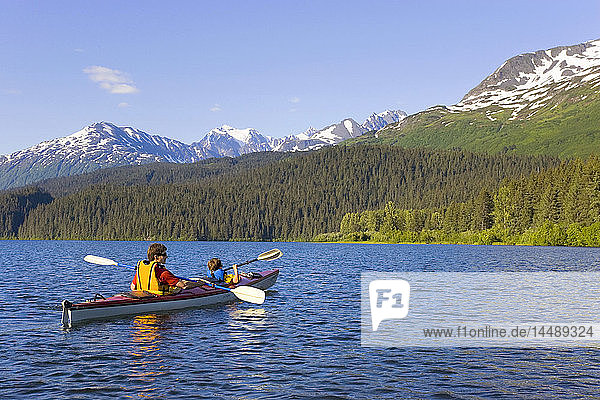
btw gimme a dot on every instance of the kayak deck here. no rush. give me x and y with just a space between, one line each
138 302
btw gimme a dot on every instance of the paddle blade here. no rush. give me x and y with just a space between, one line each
99 260
249 294
270 255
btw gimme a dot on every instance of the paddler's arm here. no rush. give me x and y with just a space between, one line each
236 275
168 278
188 284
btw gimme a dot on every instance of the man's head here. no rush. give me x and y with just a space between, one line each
214 264
156 250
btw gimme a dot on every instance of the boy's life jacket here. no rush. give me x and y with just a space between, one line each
219 276
146 279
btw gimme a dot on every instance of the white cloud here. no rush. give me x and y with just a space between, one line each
295 100
12 91
124 105
112 80
216 108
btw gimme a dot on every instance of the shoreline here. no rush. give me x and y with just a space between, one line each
369 242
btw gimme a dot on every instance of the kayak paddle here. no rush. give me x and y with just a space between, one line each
246 293
270 255
104 261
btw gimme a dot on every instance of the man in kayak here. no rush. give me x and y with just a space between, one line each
152 276
216 272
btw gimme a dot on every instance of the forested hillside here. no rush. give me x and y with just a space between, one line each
14 207
292 198
559 206
162 173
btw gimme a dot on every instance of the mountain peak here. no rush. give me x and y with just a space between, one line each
545 102
228 141
378 120
104 144
531 78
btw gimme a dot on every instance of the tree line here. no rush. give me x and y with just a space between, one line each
286 198
557 206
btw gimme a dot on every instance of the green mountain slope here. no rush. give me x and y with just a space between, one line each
547 102
568 126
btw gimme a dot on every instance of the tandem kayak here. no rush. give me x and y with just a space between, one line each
142 302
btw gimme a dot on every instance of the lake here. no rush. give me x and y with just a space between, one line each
303 342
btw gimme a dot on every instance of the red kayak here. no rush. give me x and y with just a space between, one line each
143 302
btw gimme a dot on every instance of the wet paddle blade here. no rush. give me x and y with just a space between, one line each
99 260
249 294
270 255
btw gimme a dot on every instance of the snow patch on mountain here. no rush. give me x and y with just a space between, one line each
336 133
377 121
530 80
231 142
104 144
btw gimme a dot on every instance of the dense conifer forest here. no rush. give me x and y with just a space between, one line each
15 205
264 197
556 207
161 173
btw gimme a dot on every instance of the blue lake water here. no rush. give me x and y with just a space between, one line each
303 342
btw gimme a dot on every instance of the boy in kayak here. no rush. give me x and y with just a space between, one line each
216 272
152 276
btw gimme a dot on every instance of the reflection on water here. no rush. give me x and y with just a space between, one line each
147 333
148 360
246 325
251 315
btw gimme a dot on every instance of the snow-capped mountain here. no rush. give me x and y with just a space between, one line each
528 81
104 144
546 102
227 141
330 135
336 133
97 146
377 121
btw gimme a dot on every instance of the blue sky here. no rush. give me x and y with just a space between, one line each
181 68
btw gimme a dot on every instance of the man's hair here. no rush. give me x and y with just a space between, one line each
155 249
214 264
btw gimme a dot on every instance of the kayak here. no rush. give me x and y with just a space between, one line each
143 302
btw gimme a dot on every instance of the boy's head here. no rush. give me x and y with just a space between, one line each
214 264
156 249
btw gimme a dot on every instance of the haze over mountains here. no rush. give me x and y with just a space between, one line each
104 144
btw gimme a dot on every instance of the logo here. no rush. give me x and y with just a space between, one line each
389 300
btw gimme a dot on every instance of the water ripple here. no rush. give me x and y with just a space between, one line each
304 342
